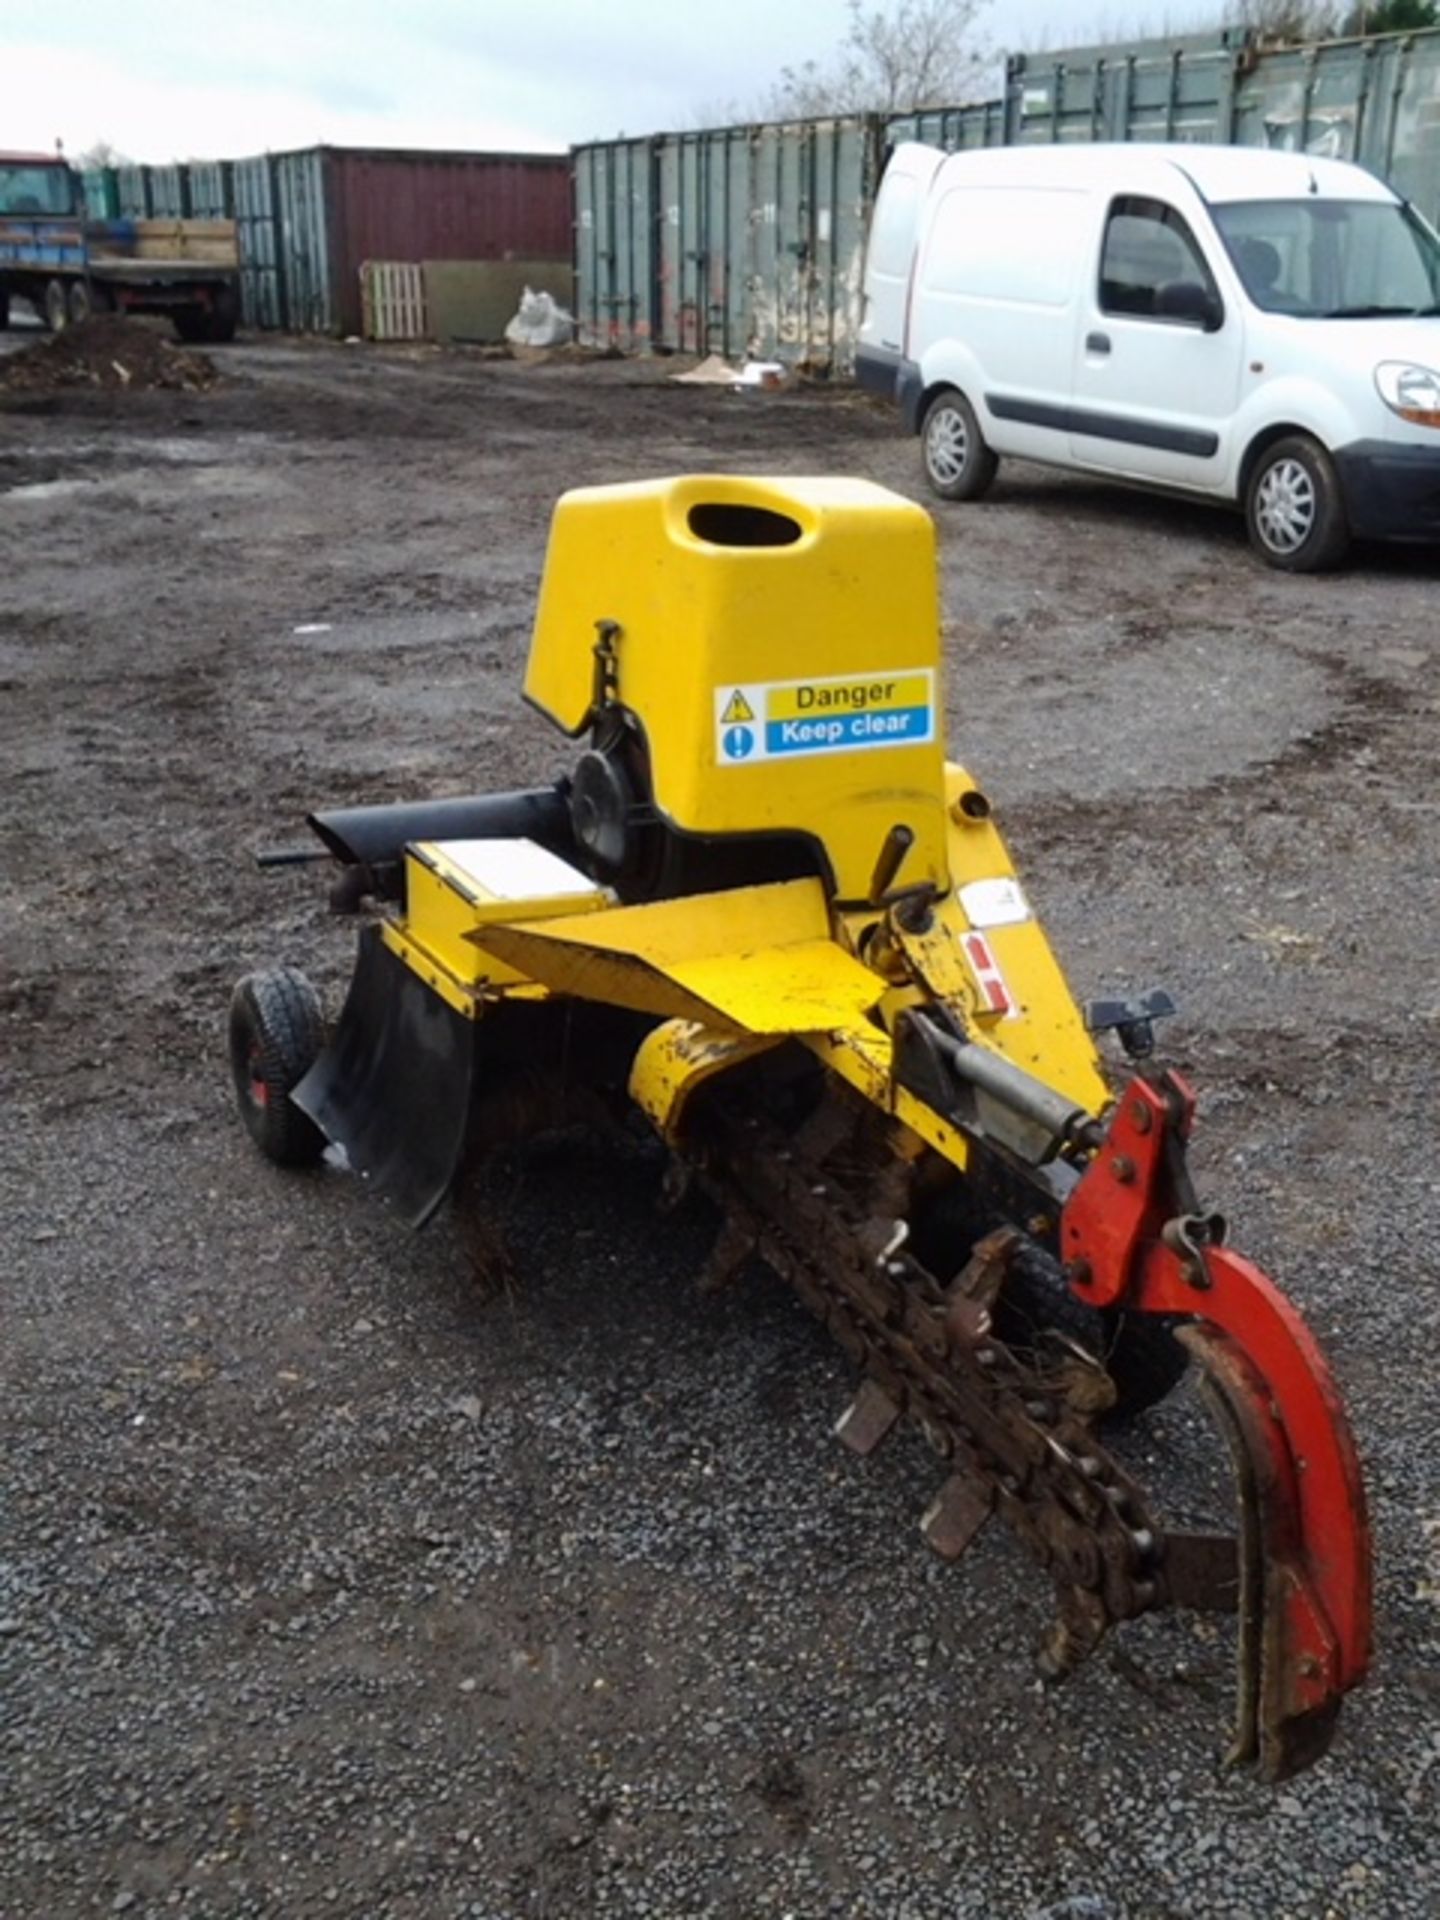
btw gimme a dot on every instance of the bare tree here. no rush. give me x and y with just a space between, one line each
1287 22
101 154
893 59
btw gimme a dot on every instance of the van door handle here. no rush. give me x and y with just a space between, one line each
1097 343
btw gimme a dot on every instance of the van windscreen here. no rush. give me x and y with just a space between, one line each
1332 259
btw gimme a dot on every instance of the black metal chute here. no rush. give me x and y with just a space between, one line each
377 836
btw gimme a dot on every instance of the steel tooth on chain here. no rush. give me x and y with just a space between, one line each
733 1247
1020 1445
956 1514
985 1272
868 1418
1076 1632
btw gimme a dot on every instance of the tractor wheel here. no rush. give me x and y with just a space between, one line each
78 303
55 307
209 326
958 464
1294 509
276 1032
224 316
1138 1350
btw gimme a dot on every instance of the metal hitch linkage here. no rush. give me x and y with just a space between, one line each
1130 1234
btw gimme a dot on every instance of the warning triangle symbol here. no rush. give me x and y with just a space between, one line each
737 709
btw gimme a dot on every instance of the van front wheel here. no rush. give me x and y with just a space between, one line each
958 464
1294 509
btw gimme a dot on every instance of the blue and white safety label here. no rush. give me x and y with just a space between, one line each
772 719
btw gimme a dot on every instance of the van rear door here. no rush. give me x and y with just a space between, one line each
889 261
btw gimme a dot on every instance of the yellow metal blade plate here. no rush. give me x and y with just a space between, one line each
754 960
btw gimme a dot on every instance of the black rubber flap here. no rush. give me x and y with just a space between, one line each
393 1086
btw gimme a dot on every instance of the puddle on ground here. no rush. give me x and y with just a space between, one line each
383 633
48 489
117 459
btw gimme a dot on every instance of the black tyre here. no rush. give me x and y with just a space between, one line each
4 309
1294 508
209 326
1138 1350
224 316
55 307
78 304
277 1029
958 464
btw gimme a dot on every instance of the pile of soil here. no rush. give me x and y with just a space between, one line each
106 351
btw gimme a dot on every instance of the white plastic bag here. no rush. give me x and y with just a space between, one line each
540 321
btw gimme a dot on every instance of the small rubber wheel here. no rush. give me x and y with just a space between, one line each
55 308
1294 508
79 304
1138 1350
958 464
277 1029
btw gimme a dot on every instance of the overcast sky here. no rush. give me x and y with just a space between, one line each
163 80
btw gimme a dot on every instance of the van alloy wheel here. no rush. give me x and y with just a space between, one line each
1294 507
1285 506
947 443
958 464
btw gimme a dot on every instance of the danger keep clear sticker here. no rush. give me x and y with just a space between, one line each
773 719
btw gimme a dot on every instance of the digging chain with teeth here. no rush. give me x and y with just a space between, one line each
1014 1435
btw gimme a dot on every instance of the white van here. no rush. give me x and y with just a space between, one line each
1257 328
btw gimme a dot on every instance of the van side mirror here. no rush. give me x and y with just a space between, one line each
1189 300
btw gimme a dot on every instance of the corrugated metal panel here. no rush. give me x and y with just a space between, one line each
1375 101
956 129
741 240
169 193
615 243
102 193
261 285
132 192
391 205
303 228
1407 110
1157 90
211 189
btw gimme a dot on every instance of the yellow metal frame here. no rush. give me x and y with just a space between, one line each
705 635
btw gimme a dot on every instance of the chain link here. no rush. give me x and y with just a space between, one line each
1008 1425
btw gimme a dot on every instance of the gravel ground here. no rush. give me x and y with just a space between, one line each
338 1582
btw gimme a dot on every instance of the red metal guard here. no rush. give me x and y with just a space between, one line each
1130 1236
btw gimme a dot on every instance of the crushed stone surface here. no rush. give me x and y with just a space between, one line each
337 1579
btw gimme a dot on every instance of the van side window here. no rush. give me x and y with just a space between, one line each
1148 251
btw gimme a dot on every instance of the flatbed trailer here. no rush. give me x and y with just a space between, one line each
66 266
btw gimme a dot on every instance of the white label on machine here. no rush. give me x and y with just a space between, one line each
514 869
779 719
993 903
